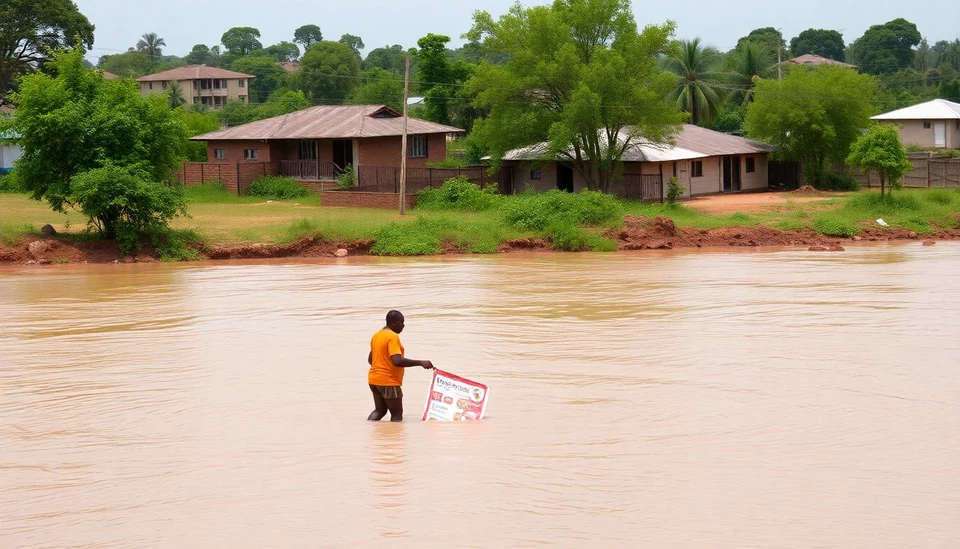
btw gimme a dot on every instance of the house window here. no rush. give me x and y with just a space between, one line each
697 168
219 154
417 146
206 100
926 125
535 174
196 84
249 154
308 150
216 84
674 169
243 83
196 100
151 86
219 101
163 85
242 98
750 165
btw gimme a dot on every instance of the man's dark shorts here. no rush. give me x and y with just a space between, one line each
388 393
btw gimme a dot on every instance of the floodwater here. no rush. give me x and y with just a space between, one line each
679 399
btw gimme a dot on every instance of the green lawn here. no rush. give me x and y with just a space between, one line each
222 218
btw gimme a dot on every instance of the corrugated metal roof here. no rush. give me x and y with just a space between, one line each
692 142
938 109
329 122
814 59
193 72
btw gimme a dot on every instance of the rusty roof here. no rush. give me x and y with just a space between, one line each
714 143
330 122
290 66
193 72
814 59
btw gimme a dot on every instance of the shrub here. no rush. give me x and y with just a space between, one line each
174 246
939 196
458 194
413 238
874 202
833 226
346 179
564 236
277 188
121 204
674 190
207 193
9 184
837 182
537 211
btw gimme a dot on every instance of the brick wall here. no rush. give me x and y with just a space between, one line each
357 199
385 151
236 177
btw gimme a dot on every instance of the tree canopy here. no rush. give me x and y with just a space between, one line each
886 48
284 51
880 150
151 45
241 40
82 135
270 76
328 72
696 68
770 39
813 115
580 77
391 59
355 43
378 87
439 80
825 43
31 30
307 36
200 55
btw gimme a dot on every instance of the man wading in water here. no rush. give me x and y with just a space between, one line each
386 369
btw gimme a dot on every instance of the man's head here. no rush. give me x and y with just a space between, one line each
395 321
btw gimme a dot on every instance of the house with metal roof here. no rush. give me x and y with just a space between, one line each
814 60
200 84
931 125
703 161
9 151
318 143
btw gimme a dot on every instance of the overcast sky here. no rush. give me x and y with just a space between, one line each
183 23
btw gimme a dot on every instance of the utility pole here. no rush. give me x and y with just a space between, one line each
403 140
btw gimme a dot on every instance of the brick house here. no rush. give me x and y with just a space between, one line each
201 85
318 143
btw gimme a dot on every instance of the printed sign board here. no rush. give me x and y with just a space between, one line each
453 398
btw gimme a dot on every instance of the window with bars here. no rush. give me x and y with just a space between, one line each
696 167
750 165
219 154
417 147
535 174
249 154
308 150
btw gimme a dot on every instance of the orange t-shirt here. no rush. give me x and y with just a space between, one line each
384 345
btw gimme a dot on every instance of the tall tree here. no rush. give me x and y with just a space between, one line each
32 30
813 115
284 51
151 45
307 36
130 64
770 39
825 43
439 80
354 42
748 64
175 95
241 40
328 72
696 68
886 48
270 76
923 60
199 55
378 87
579 76
391 59
880 150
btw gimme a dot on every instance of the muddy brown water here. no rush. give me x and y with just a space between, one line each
678 399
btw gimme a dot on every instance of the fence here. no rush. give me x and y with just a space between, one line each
309 169
926 173
642 187
379 179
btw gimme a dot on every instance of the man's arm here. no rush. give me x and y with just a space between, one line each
401 362
370 358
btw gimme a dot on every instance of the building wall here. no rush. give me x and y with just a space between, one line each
357 199
233 151
236 176
8 155
385 152
233 91
912 132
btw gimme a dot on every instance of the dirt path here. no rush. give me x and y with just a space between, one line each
725 204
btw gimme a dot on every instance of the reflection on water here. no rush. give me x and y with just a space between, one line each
676 399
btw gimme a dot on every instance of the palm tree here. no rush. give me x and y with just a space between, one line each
748 63
150 44
695 67
175 95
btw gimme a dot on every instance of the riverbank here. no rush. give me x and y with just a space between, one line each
230 227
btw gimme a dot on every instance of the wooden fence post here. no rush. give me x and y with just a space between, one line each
928 173
202 177
238 179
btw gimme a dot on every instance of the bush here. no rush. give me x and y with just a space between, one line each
876 203
9 184
211 192
564 236
537 211
277 188
939 196
346 179
458 194
674 190
121 204
837 182
833 226
413 238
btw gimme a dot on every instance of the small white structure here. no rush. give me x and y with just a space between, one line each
934 124
9 152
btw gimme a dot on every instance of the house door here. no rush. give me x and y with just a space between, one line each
940 134
731 173
342 154
506 180
565 178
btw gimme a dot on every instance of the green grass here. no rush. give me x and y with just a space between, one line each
568 222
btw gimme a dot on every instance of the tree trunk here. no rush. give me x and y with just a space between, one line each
883 181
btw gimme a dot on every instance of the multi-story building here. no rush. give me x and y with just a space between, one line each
200 85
